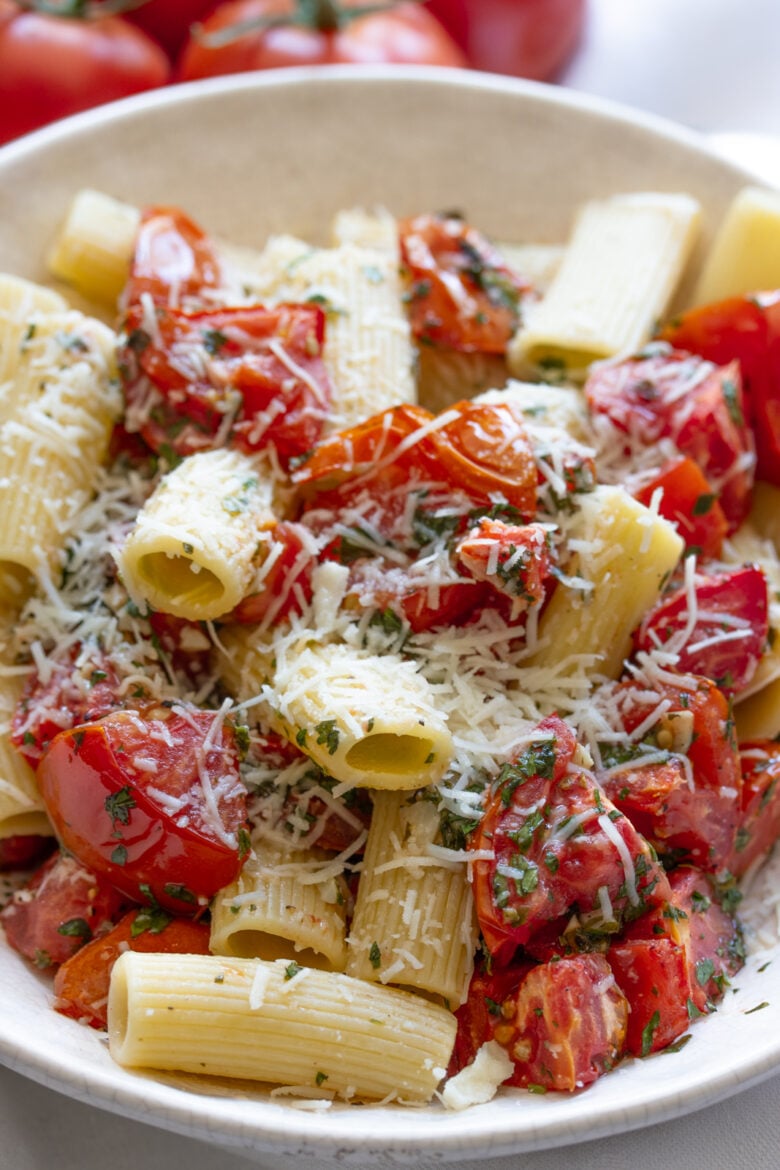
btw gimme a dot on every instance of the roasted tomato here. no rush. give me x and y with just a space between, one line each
653 975
480 449
173 262
460 292
251 377
481 1013
759 821
151 800
689 502
62 907
559 848
718 626
515 560
82 687
565 1025
713 940
664 393
746 329
82 982
687 806
283 584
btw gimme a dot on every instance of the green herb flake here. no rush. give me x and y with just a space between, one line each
119 804
757 1008
648 1032
678 1044
292 969
180 893
119 855
214 340
705 969
375 956
76 928
328 734
320 1078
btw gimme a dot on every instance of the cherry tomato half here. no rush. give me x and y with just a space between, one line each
151 800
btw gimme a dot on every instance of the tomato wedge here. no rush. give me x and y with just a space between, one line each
665 393
286 585
153 801
745 329
759 821
653 976
174 260
63 906
725 635
687 812
460 292
565 1025
81 984
689 502
515 559
251 377
558 843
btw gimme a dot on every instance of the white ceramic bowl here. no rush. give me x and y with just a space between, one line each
283 151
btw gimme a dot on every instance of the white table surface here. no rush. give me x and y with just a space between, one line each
714 65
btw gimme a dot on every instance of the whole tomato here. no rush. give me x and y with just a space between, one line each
265 34
52 65
525 38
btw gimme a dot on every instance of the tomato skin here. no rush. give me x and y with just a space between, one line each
689 502
759 822
62 893
524 38
746 329
741 594
539 872
81 984
653 976
460 293
695 824
522 558
168 22
405 34
114 815
668 393
173 259
53 66
568 1025
235 368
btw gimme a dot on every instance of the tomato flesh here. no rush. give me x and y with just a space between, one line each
666 393
257 372
690 503
759 821
152 801
63 906
728 637
81 984
515 560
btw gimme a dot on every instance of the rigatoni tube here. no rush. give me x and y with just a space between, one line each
276 1023
192 548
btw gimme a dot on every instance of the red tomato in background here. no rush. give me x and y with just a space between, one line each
127 796
525 38
53 66
401 33
169 21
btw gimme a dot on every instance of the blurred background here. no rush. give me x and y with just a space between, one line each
712 64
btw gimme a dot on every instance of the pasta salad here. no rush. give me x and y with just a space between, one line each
390 675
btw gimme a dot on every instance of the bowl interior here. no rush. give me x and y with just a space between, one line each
282 152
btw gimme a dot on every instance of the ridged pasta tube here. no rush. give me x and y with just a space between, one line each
627 553
267 1022
276 909
745 255
58 401
617 275
95 244
192 548
414 921
365 719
